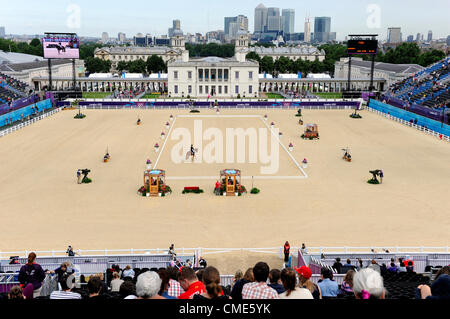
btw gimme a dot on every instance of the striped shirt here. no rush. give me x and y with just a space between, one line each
175 289
258 290
64 295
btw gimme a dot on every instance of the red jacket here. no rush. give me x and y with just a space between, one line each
195 288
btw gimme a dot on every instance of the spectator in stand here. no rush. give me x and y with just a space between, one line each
275 281
443 271
61 270
148 284
410 267
202 262
128 272
172 250
392 268
128 290
289 280
104 285
28 292
348 263
236 292
287 249
347 283
304 250
374 265
328 287
175 289
237 276
401 266
259 289
211 281
15 293
67 284
304 275
94 287
165 277
116 282
368 284
338 265
190 283
32 273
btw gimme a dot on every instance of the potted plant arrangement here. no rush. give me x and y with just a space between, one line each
305 163
254 190
156 147
280 135
291 147
164 189
171 117
167 125
149 164
272 125
240 189
265 117
355 115
163 135
142 191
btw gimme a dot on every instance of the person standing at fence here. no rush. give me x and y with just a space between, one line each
32 273
381 176
287 249
78 176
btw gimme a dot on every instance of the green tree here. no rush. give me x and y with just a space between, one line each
267 64
87 49
155 64
121 66
137 66
253 56
282 64
405 53
96 65
431 57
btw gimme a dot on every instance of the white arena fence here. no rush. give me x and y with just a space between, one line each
417 127
29 122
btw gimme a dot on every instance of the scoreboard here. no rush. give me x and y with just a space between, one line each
362 46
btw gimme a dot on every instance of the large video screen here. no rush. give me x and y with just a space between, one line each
362 46
61 47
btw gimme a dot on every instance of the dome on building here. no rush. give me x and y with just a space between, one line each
177 33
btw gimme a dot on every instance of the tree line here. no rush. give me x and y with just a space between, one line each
153 64
33 48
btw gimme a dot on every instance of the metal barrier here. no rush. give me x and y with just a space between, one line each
418 127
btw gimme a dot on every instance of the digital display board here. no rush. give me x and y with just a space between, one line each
362 46
61 46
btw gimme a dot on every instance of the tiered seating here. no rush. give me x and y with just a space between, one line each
403 285
430 87
14 84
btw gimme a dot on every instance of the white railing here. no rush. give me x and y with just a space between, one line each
418 127
201 251
28 122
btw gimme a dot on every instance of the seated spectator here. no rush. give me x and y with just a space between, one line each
32 273
337 265
165 277
116 282
347 283
148 284
328 287
189 282
410 267
127 290
128 272
104 285
237 276
236 292
94 286
67 284
368 284
259 289
440 288
401 266
304 275
392 268
175 289
275 281
15 293
289 280
348 263
211 281
374 265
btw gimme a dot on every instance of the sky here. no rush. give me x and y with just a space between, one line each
92 17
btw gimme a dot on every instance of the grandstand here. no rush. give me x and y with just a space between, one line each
429 87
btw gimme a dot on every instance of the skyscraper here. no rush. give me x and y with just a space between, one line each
322 28
419 37
176 26
394 35
260 18
2 32
273 20
307 31
430 36
227 22
242 22
410 38
105 37
234 24
289 20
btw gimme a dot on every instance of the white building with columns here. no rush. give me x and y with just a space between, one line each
214 76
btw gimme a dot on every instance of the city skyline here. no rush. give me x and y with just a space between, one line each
203 16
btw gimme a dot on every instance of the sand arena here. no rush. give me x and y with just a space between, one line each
43 207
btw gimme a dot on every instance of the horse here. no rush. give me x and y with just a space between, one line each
191 154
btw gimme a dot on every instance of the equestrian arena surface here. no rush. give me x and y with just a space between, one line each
44 208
